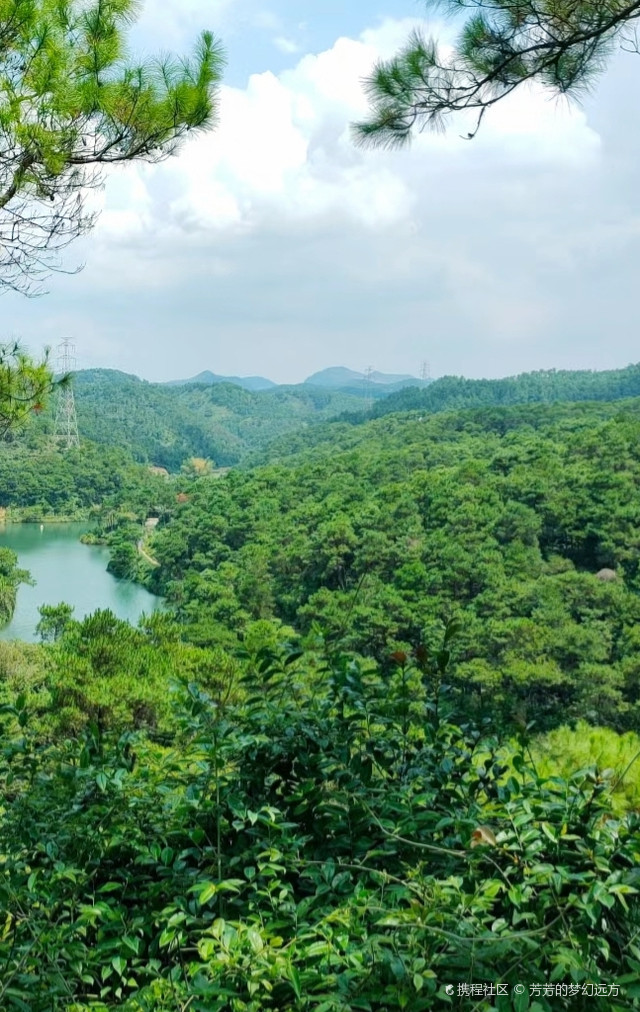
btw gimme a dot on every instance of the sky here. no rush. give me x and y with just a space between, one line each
272 246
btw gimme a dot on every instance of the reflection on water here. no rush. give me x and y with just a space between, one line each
66 570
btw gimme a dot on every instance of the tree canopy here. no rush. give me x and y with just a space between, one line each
70 103
561 44
502 518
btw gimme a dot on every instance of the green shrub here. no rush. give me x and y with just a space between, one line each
316 845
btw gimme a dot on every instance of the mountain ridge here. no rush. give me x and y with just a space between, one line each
332 378
339 377
208 378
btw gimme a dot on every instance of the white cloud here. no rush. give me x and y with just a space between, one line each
274 245
286 45
125 205
533 126
283 148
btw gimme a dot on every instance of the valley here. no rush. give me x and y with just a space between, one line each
220 419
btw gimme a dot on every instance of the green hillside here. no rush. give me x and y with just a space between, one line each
164 424
547 386
500 518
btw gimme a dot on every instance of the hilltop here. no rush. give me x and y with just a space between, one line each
208 378
543 386
378 384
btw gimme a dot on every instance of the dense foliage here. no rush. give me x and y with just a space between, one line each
307 835
544 386
165 424
503 518
38 480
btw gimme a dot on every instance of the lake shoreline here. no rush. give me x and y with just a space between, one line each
66 570
8 517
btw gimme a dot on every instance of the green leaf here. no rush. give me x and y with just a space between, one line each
119 965
110 887
294 977
207 892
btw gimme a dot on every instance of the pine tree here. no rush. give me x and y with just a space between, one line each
71 103
562 44
25 385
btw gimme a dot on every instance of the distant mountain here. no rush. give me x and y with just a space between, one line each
390 379
208 378
340 378
334 378
337 376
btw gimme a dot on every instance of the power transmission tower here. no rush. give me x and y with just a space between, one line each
368 388
425 372
66 422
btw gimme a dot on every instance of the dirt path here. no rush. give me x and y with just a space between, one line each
152 562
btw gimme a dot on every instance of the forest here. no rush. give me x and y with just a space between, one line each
38 482
384 739
502 520
163 424
550 385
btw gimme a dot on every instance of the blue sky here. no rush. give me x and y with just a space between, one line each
258 37
273 246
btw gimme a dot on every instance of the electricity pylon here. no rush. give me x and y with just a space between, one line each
368 388
66 421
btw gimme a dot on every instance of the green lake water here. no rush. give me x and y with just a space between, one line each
66 570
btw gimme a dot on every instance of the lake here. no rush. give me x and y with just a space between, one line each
66 570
